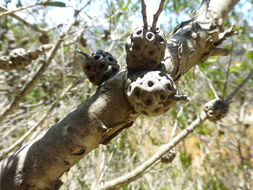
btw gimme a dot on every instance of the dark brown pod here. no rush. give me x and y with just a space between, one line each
153 93
145 49
19 58
99 66
216 109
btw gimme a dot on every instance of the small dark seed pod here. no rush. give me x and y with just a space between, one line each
19 58
145 49
99 66
169 157
152 93
216 109
44 39
5 63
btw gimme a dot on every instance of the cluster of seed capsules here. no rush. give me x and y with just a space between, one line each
150 92
19 58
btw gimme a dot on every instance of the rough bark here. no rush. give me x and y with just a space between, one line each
39 164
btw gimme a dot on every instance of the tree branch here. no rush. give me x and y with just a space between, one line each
140 170
101 117
32 26
156 15
28 87
22 8
144 14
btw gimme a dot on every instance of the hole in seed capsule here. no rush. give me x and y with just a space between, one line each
139 32
149 35
160 39
162 97
169 87
92 78
96 57
162 74
136 47
148 102
110 59
151 52
114 69
157 110
150 83
130 88
137 92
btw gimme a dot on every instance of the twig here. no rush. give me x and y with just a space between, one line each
156 15
28 87
208 82
22 8
228 99
174 128
32 26
140 170
144 14
228 71
20 141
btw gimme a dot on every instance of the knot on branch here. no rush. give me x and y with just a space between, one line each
99 66
216 109
169 156
145 49
44 38
152 93
19 58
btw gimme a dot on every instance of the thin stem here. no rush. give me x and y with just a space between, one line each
228 99
144 14
140 170
228 71
29 86
156 15
21 140
32 26
208 82
22 8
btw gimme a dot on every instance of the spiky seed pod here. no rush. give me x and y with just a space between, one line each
152 93
145 49
44 39
216 109
99 66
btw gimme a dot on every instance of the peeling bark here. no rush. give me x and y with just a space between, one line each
39 164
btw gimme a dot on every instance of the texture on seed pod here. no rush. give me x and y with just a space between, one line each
44 39
145 49
5 63
19 58
152 93
169 156
99 66
216 109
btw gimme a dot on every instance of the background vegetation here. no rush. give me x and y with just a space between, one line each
217 156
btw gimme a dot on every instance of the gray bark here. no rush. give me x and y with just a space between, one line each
39 164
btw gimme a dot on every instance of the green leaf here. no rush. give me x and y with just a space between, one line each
250 55
55 4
